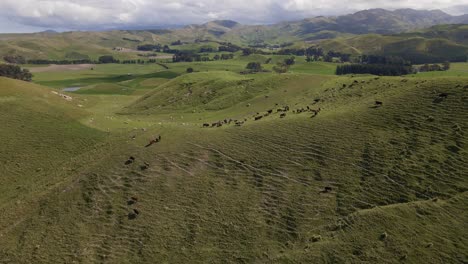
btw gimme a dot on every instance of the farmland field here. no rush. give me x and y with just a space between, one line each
354 182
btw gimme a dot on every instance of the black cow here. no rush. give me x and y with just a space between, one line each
132 200
145 166
327 189
130 160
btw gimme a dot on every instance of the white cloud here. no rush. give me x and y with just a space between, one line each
100 14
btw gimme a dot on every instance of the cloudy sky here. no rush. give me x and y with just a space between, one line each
37 15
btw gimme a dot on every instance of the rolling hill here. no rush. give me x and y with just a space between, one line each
91 45
256 193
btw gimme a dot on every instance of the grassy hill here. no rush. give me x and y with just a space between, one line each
42 143
418 48
245 194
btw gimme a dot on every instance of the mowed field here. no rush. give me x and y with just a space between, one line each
355 183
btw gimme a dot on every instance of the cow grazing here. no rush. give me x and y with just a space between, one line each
206 125
327 189
378 103
145 166
130 160
258 118
132 200
270 111
153 141
131 216
283 115
443 95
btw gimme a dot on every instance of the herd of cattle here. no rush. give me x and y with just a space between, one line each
281 111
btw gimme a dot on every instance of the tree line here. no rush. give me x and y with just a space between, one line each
434 67
280 67
15 72
190 57
377 65
375 69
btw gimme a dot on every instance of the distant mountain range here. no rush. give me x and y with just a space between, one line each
413 34
379 21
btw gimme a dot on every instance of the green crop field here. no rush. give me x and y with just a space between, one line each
334 179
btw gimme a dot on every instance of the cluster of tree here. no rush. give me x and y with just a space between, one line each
250 51
376 59
190 57
166 49
102 60
254 67
295 52
150 47
60 62
148 55
314 52
186 57
280 67
434 67
206 49
176 43
15 72
227 56
15 59
290 61
107 59
375 69
157 48
340 57
228 47
138 61
283 67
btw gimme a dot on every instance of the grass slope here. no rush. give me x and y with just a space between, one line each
41 142
252 193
